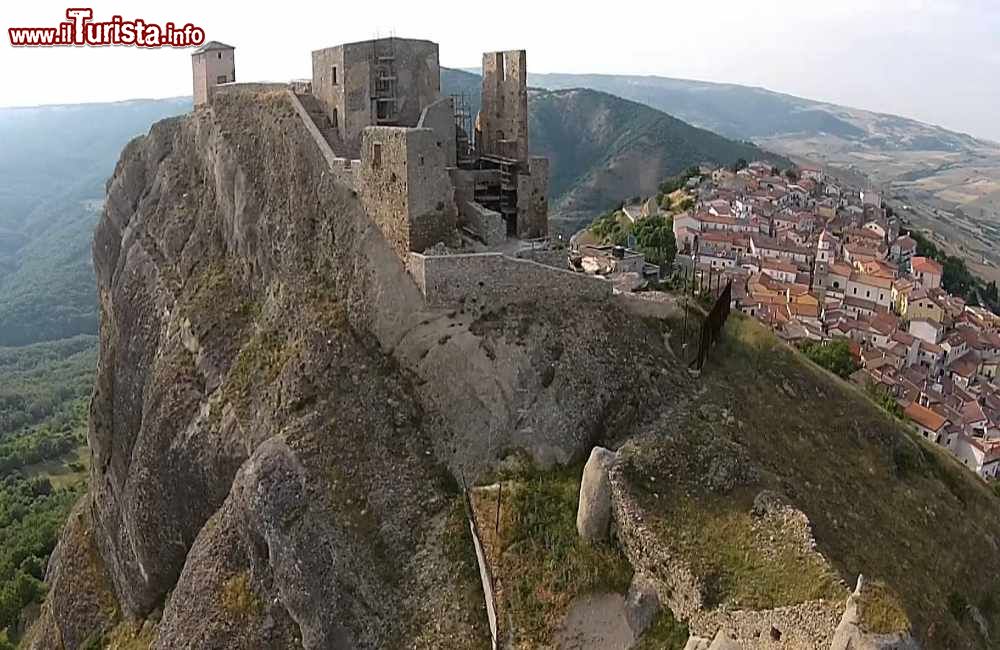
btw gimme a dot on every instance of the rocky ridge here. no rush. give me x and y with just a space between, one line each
277 421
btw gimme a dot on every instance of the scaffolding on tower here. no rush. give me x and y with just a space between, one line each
383 81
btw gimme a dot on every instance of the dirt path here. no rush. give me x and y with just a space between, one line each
596 622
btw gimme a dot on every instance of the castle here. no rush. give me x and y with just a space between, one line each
426 170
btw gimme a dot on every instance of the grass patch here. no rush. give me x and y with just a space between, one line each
238 598
539 562
746 561
880 610
130 636
258 364
666 633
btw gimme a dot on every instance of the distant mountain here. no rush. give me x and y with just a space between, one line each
755 113
605 149
54 163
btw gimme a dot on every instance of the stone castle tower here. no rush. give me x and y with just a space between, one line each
212 64
503 122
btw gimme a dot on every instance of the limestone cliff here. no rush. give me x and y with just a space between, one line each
278 422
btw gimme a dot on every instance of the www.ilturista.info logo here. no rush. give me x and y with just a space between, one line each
81 30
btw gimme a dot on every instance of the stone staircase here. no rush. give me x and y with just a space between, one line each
322 122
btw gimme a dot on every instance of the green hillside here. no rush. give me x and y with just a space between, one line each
54 163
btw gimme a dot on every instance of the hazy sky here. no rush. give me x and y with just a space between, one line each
934 60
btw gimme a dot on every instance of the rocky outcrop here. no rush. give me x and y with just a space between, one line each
593 515
276 411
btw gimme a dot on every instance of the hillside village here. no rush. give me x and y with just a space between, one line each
820 262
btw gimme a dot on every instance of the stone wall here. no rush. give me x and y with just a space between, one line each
405 188
344 170
382 185
486 223
678 587
250 87
503 118
331 91
440 118
480 281
430 211
533 200
348 97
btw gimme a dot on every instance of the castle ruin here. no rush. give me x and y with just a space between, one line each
427 172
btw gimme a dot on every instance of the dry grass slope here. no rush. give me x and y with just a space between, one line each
881 501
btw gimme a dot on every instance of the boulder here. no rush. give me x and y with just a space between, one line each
642 604
593 518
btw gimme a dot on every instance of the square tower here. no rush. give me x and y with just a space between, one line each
212 64
383 82
503 119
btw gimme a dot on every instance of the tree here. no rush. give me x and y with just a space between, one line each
881 396
835 356
655 238
956 278
791 175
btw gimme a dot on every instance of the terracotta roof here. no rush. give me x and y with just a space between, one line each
871 280
925 417
903 337
711 218
925 265
972 412
859 303
778 265
931 347
965 366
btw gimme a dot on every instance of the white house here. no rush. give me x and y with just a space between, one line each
926 330
870 287
981 456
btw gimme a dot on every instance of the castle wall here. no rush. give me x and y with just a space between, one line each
676 585
488 224
439 116
325 88
533 200
382 184
405 187
479 281
503 117
345 170
431 208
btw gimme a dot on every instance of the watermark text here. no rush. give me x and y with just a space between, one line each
81 30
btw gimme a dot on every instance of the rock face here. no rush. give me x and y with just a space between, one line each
593 517
276 412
